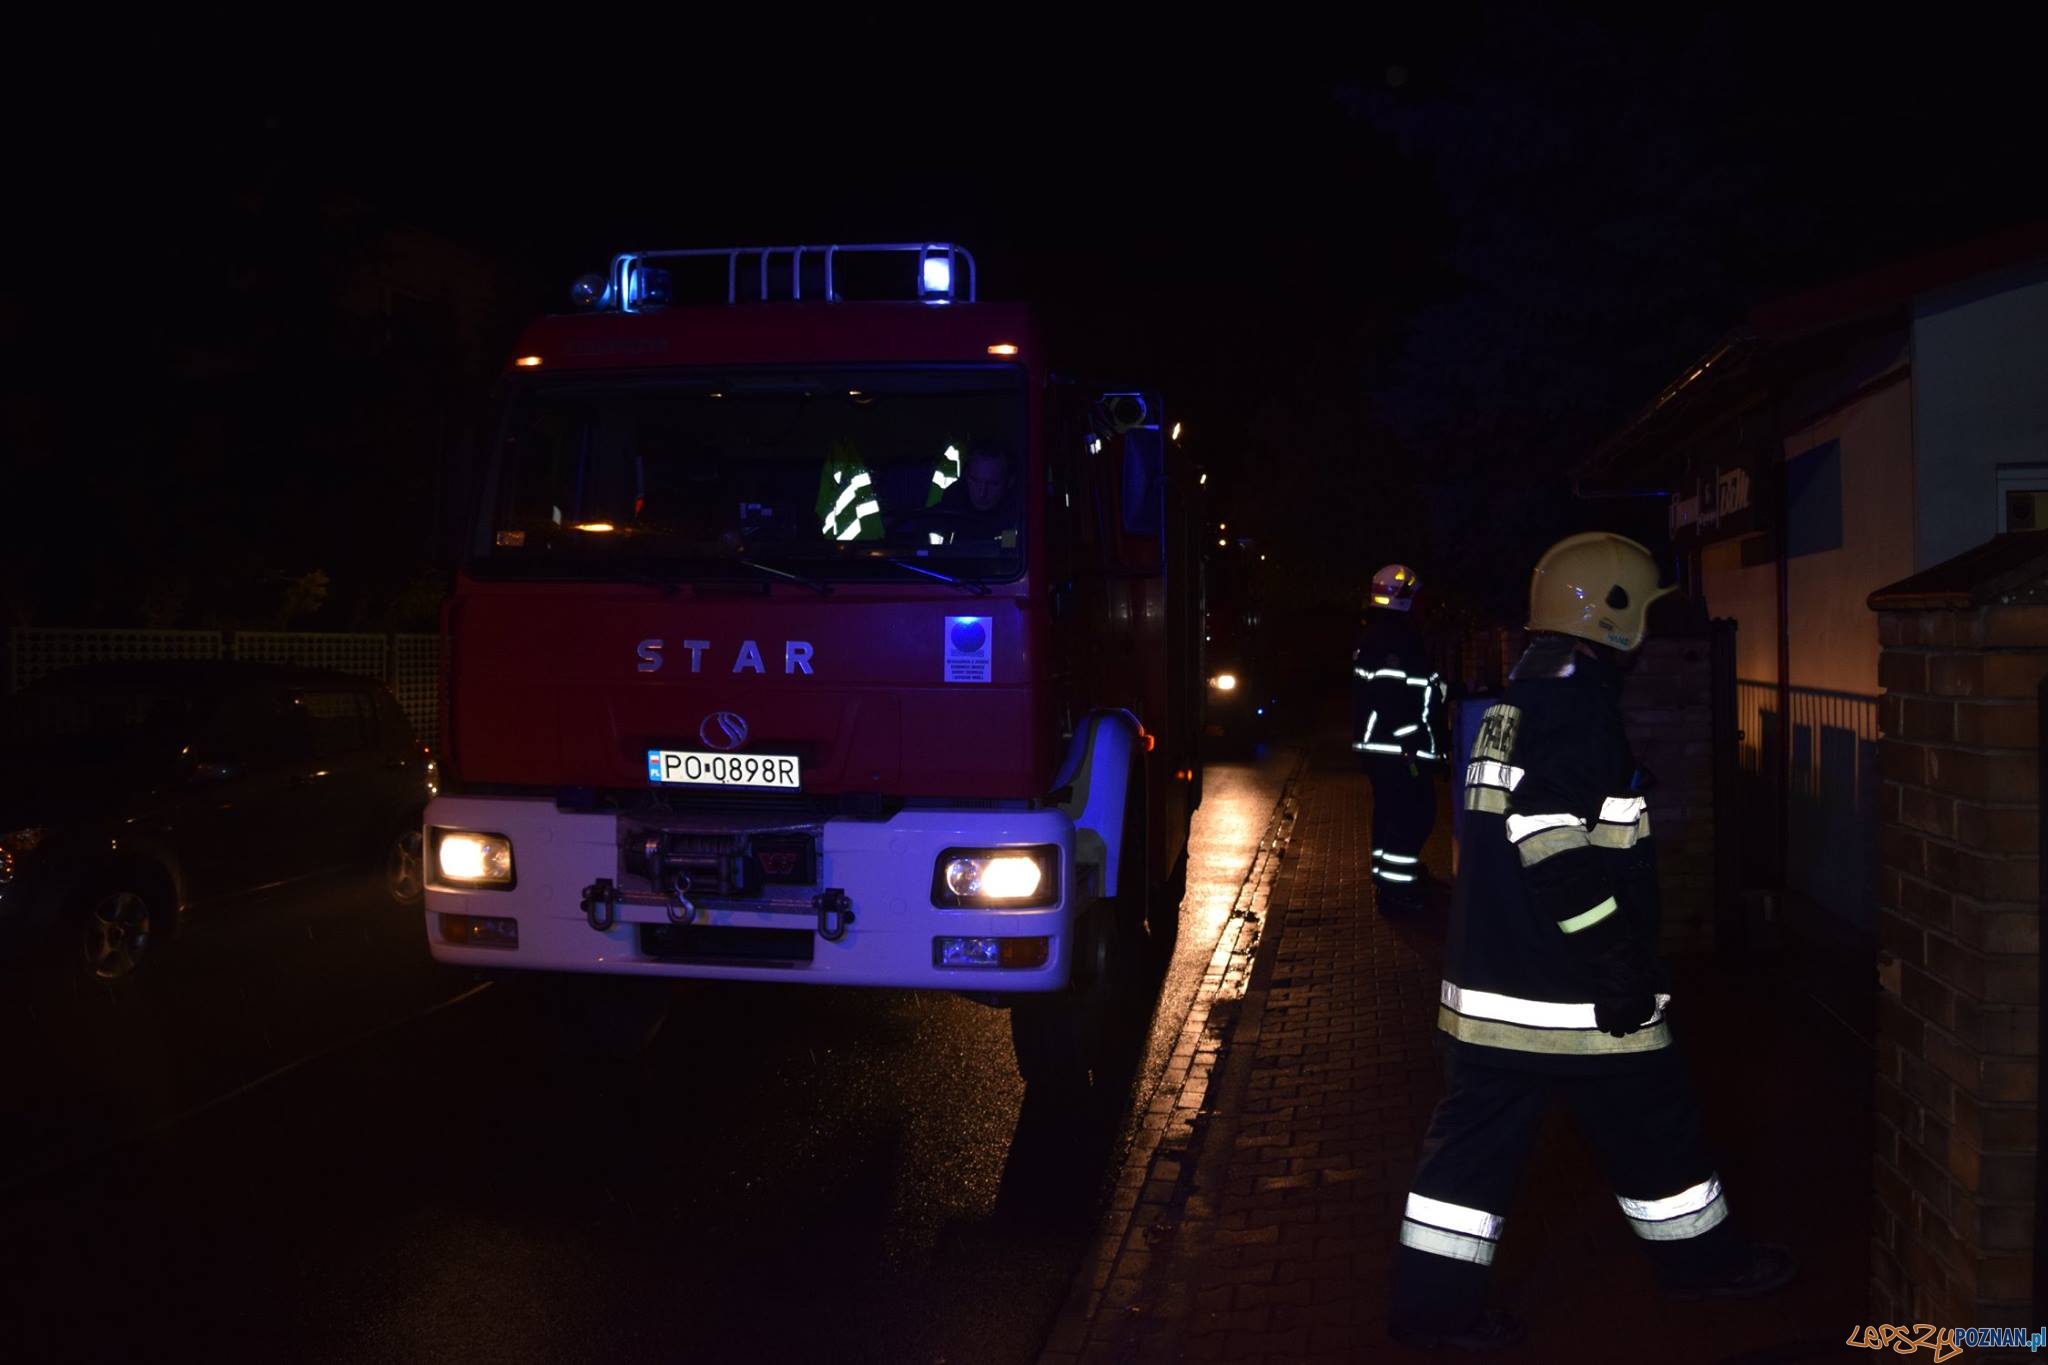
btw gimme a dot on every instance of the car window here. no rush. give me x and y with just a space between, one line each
96 718
255 729
340 721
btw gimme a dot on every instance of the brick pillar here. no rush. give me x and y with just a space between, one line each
1959 926
1668 709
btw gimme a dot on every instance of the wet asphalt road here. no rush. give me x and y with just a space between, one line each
305 1141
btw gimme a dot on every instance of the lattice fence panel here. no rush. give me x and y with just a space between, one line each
366 656
416 678
35 651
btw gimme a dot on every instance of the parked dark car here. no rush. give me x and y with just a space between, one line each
132 796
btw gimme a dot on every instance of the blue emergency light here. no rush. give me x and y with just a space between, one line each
648 287
935 279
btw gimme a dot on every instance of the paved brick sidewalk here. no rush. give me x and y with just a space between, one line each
1263 1229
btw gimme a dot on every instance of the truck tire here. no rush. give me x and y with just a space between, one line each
603 1018
1067 1039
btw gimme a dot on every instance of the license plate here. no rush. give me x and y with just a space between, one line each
692 768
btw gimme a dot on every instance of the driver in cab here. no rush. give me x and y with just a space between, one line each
980 507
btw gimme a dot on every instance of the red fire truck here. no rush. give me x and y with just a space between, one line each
814 628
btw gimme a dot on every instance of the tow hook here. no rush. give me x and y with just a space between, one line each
680 908
601 904
835 912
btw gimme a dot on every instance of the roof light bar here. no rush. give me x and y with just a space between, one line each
941 273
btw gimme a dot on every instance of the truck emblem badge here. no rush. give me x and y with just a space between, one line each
723 730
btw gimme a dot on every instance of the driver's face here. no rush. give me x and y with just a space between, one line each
985 480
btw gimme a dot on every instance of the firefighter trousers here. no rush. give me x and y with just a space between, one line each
1643 1125
1403 814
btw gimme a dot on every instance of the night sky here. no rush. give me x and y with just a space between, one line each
1414 269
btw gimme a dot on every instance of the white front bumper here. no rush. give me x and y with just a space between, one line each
884 867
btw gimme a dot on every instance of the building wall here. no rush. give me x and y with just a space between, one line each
1979 401
1850 519
1834 639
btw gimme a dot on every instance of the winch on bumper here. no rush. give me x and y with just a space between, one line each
841 902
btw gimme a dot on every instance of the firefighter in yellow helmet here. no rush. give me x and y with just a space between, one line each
1398 733
1551 988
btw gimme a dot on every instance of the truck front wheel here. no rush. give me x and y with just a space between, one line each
1066 1039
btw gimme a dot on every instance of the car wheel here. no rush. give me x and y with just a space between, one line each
116 933
404 876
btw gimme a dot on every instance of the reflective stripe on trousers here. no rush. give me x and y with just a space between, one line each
1490 1019
1450 1230
1677 1217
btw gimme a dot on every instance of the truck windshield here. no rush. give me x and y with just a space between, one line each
824 474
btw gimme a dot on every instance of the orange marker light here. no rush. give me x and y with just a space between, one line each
1003 348
528 362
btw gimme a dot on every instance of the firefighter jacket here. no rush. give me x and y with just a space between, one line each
848 508
1397 698
1556 904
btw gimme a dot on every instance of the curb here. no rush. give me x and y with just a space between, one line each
1175 1153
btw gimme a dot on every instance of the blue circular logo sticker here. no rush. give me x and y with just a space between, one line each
969 637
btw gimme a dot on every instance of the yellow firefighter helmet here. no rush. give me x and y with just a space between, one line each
1597 586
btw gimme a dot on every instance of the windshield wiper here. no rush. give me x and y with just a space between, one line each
975 586
651 579
822 589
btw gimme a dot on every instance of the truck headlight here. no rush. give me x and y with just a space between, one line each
977 877
464 858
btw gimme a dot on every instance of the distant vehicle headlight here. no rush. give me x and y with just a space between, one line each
1224 682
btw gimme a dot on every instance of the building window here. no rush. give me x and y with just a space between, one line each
2022 497
1813 501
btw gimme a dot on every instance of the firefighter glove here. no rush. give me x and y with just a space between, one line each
1625 1014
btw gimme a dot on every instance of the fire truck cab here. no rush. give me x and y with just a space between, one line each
812 628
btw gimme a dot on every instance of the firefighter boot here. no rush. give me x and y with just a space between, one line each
1770 1269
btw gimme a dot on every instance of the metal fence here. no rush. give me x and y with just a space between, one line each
1828 729
408 664
1830 792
